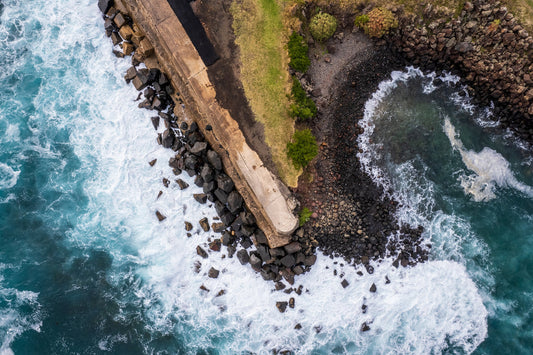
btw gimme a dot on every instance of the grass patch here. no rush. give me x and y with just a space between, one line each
304 216
523 10
260 36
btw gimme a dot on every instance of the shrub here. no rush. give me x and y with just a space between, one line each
377 23
298 50
302 149
303 107
322 26
304 216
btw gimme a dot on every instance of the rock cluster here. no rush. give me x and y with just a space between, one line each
237 226
488 48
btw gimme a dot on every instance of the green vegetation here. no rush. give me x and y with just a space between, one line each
494 25
259 33
303 107
377 23
322 26
304 216
302 149
298 50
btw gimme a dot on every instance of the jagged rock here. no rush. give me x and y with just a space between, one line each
298 326
168 138
160 217
243 256
214 160
116 39
227 217
276 252
204 223
292 248
188 226
221 195
166 182
215 245
248 230
182 184
120 20
255 261
127 48
152 162
105 5
344 283
310 260
263 252
145 47
155 122
130 74
291 302
298 270
200 251
373 288
288 260
190 162
125 32
282 306
365 327
234 201
218 227
199 148
201 198
225 183
213 273
227 238
207 173
209 186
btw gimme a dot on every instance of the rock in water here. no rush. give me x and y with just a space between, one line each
160 217
200 251
213 273
104 5
344 283
243 257
365 327
282 306
204 223
373 288
168 138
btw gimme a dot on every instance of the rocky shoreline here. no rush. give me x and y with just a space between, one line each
237 229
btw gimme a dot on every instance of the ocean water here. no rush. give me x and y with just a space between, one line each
85 267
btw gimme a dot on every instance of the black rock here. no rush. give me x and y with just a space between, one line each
207 173
184 126
365 327
248 230
310 260
255 261
214 160
220 208
198 181
163 80
199 148
292 248
208 186
246 242
373 288
155 122
213 273
227 217
227 238
234 201
344 283
104 5
276 252
225 183
243 257
159 216
221 195
167 138
130 74
193 127
149 93
201 198
298 270
263 252
288 261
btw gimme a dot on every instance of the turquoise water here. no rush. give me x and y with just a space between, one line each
85 267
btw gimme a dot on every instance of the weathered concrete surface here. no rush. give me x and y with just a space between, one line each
263 193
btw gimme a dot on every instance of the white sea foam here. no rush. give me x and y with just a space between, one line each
8 176
489 169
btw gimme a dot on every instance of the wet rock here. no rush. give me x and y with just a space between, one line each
201 198
199 148
213 273
243 256
182 184
291 302
221 293
293 248
344 283
298 326
263 252
120 20
225 183
167 138
255 261
221 195
209 187
298 270
152 162
215 245
281 306
105 5
159 216
310 260
276 252
364 308
288 261
116 39
200 251
215 161
204 223
218 227
130 74
365 327
373 288
188 226
166 182
227 238
155 122
234 201
227 217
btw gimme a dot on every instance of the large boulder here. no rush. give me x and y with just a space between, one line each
243 256
293 248
214 160
104 5
234 201
225 183
199 148
168 138
207 173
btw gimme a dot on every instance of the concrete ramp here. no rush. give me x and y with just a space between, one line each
179 58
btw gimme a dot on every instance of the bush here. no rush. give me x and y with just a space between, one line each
303 107
322 26
377 23
304 216
298 50
302 149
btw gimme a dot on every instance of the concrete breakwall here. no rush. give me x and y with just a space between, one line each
264 194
